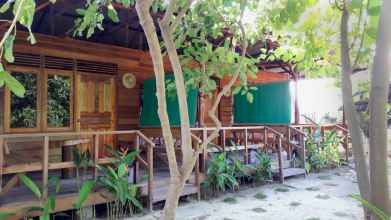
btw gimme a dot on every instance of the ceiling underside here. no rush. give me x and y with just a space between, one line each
58 20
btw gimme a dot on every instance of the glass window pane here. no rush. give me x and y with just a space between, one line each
24 110
59 104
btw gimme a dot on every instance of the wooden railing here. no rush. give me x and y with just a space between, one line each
345 136
45 166
202 134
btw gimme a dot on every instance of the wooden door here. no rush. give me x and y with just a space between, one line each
96 103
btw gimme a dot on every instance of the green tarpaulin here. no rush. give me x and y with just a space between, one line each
149 116
271 105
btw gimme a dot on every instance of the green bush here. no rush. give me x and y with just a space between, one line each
262 170
323 154
221 174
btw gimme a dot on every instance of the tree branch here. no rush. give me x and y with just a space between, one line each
13 24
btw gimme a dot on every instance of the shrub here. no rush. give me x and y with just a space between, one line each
221 174
263 169
323 154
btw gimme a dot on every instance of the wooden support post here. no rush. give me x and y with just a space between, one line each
289 146
265 138
150 177
1 162
280 159
303 153
45 168
205 154
246 155
136 167
197 177
346 146
224 140
96 155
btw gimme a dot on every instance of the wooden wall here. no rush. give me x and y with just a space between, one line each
128 105
128 61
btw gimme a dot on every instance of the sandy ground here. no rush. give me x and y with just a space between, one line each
322 196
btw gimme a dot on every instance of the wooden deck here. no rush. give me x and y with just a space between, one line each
280 143
20 197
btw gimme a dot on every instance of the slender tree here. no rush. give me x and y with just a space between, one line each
378 117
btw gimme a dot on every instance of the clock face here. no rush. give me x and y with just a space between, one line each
129 80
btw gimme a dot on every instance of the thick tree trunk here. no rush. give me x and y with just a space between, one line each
146 21
378 113
360 157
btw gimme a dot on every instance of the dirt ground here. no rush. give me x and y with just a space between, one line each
323 196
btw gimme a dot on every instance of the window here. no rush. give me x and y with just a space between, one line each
59 100
47 104
24 110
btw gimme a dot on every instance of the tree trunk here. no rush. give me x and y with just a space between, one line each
378 113
146 21
360 157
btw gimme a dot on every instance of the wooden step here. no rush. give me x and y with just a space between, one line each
290 172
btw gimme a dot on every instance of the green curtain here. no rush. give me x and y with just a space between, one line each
149 116
271 105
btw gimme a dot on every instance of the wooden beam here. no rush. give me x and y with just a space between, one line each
9 185
42 6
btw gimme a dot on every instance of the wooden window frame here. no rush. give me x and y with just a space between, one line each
53 72
7 101
42 101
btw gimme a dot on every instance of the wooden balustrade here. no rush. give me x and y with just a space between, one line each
45 166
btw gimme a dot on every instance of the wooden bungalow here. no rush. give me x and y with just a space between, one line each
106 86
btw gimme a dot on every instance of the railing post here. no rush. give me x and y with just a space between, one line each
289 144
224 139
346 146
136 163
150 177
1 162
302 140
96 154
265 138
246 156
45 168
197 176
205 154
280 159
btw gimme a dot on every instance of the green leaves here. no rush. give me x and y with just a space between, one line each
30 184
85 191
377 211
5 6
26 15
112 13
